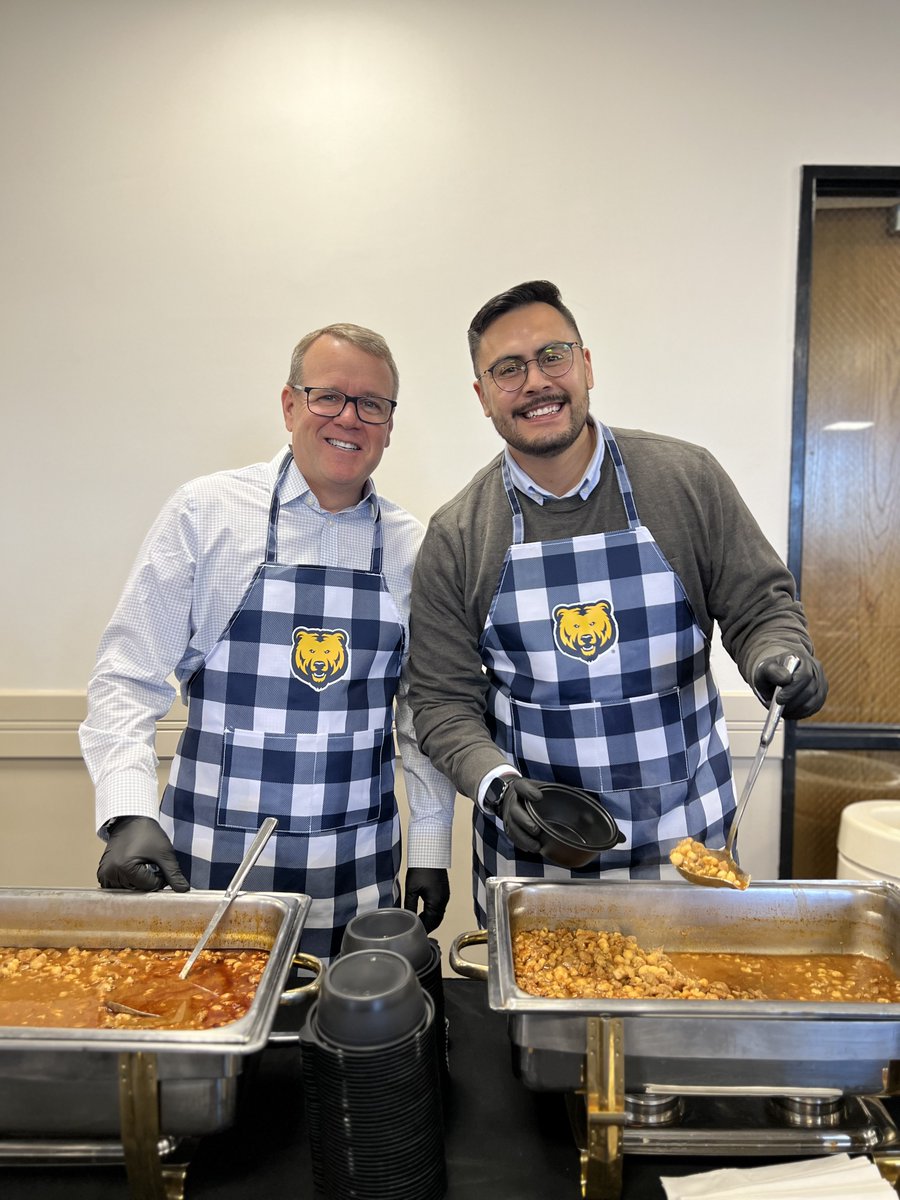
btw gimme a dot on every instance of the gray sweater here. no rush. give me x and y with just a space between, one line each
730 572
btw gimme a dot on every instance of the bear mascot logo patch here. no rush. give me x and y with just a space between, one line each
320 657
584 631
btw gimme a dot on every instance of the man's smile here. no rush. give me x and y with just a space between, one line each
338 445
546 408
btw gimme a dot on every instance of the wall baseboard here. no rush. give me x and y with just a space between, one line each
38 725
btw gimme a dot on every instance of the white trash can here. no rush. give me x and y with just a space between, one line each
869 841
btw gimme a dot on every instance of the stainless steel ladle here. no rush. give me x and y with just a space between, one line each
253 852
724 856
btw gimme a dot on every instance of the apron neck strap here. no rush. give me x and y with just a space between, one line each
622 479
518 535
375 565
624 482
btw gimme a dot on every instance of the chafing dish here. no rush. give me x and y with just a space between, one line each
628 1067
683 1045
67 1083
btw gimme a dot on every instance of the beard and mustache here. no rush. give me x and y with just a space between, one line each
513 427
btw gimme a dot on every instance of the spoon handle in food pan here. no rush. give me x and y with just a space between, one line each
768 732
253 852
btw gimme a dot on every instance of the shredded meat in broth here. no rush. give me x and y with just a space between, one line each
69 988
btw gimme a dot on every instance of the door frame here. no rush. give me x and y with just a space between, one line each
819 181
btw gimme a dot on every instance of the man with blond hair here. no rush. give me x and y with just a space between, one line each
278 595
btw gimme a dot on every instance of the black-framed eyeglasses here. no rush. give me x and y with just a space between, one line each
554 361
329 402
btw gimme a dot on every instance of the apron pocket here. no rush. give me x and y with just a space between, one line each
313 783
612 747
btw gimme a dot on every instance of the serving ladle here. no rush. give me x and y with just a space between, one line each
724 856
116 1006
188 992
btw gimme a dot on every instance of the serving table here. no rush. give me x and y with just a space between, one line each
503 1141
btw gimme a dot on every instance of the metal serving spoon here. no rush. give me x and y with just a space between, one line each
115 1006
724 856
253 852
189 990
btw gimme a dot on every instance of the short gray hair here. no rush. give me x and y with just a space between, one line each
357 335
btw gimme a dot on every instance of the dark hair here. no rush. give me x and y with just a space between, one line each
537 291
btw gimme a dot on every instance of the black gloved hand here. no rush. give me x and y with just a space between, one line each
521 829
802 693
431 885
133 843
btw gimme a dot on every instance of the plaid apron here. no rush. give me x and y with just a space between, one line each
598 677
290 716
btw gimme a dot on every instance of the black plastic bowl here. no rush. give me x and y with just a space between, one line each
574 825
369 998
394 929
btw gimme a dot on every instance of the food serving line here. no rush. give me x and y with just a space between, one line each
503 1141
649 1083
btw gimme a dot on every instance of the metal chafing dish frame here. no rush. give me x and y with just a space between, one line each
599 1049
69 1093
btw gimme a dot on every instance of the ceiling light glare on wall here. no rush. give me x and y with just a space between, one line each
847 426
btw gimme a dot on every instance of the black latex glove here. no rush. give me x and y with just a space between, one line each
801 694
431 885
133 843
521 829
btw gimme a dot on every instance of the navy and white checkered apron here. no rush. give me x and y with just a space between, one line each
290 716
598 678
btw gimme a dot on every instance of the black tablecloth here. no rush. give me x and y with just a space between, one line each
503 1142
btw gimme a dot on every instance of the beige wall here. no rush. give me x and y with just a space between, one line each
47 806
189 186
46 795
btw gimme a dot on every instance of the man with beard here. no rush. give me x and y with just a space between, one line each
563 605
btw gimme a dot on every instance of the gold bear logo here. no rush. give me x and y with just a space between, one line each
320 657
584 631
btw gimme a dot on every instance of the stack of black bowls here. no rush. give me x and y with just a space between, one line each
403 932
371 1082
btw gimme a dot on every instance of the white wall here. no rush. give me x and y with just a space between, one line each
190 185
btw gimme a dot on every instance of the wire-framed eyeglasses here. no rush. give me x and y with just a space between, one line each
329 402
553 361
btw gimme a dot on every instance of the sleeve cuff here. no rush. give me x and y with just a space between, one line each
429 845
126 794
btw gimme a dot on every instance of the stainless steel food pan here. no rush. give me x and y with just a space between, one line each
718 1045
61 1083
